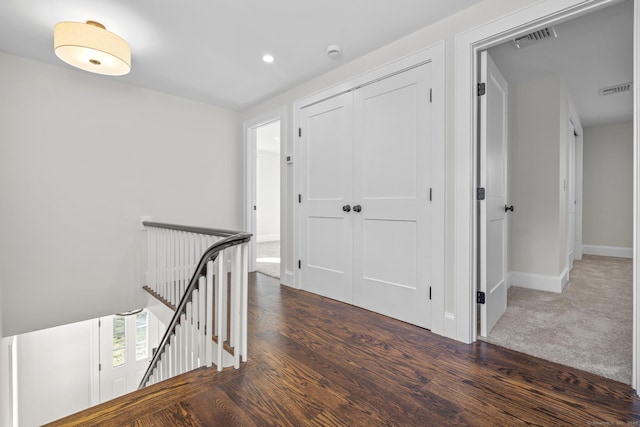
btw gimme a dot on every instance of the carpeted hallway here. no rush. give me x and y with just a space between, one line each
588 326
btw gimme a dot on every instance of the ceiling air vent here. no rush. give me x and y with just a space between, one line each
612 90
534 37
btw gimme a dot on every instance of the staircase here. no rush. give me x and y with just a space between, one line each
201 273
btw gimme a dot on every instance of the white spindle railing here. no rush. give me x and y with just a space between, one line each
172 256
205 277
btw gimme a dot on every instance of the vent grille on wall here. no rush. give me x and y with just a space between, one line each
534 37
612 90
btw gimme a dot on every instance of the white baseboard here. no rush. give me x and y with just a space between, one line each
613 251
539 282
267 238
288 279
450 327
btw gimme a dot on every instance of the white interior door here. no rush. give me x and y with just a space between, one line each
493 210
326 183
392 182
126 345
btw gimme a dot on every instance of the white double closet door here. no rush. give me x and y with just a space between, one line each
365 210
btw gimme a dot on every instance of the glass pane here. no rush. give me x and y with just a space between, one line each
119 341
142 335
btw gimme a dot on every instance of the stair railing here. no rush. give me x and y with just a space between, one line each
209 325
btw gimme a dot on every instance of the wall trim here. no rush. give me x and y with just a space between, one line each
449 324
613 251
287 279
539 282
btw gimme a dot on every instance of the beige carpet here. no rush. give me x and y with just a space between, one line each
268 258
588 326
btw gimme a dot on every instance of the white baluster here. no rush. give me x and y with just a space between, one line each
184 347
172 264
149 259
164 266
221 305
154 264
209 325
236 311
184 280
179 346
245 299
188 345
196 319
202 319
173 356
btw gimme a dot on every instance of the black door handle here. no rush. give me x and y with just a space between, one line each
346 208
508 208
357 208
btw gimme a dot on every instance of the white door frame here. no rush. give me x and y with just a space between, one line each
467 46
577 186
250 188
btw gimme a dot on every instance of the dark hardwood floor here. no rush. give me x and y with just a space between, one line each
314 361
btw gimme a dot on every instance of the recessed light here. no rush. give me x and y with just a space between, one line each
267 58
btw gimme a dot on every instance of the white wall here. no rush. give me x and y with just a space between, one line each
608 185
82 157
534 175
540 114
5 408
53 373
444 30
268 196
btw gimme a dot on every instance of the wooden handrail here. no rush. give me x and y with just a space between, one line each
219 232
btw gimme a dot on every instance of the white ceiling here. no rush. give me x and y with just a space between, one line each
591 52
211 50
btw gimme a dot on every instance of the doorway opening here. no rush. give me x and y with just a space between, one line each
267 207
264 193
569 158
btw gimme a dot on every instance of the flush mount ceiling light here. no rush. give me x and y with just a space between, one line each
268 58
90 47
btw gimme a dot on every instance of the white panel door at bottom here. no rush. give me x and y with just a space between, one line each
126 344
392 178
326 183
493 177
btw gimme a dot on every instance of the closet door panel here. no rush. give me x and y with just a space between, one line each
392 178
326 241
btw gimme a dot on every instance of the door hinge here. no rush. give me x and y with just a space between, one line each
299 264
430 95
254 207
482 89
480 297
480 193
431 194
299 198
300 132
99 366
429 292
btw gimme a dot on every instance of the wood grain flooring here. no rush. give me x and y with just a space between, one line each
318 362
